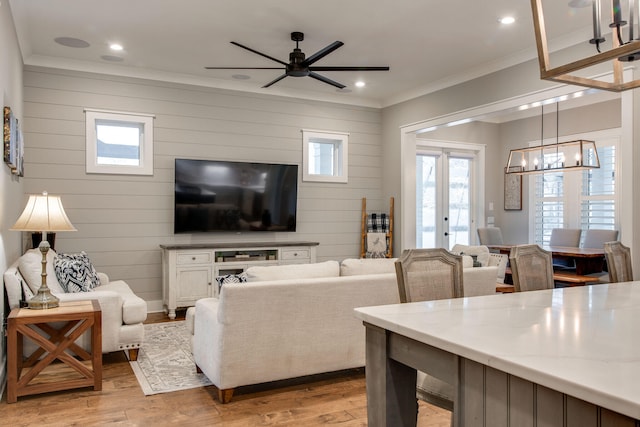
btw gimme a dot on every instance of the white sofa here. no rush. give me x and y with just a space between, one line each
123 313
296 320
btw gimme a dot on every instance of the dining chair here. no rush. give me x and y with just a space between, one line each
426 275
569 237
597 238
619 262
531 268
490 236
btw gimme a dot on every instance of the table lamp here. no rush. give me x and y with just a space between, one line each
43 213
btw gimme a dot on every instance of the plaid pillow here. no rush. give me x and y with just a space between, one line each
378 223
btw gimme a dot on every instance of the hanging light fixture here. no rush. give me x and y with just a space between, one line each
621 49
558 157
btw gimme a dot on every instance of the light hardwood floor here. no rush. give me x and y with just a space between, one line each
326 399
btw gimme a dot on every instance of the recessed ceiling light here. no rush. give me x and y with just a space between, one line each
360 84
507 20
115 46
71 42
241 77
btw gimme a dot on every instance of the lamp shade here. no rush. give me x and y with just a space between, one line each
43 213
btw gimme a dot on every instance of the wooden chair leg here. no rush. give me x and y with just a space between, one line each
133 354
224 396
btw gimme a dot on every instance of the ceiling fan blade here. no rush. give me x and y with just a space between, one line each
275 81
349 68
326 80
321 53
243 68
260 53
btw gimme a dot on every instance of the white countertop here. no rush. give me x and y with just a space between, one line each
582 341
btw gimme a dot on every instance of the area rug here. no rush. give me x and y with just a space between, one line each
165 363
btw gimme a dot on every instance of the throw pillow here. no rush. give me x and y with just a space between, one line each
30 267
481 251
231 278
76 273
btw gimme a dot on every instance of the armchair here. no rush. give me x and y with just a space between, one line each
123 312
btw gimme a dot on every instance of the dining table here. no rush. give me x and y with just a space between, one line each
557 357
587 260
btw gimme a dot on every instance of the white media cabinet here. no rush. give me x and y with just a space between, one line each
188 270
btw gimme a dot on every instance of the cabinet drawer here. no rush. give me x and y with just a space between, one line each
289 254
195 258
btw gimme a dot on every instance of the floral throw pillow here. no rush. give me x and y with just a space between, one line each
75 273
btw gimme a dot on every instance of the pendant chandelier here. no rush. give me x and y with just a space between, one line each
624 45
558 157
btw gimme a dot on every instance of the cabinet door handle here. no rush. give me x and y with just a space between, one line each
193 258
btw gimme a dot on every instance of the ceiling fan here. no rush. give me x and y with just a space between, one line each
299 66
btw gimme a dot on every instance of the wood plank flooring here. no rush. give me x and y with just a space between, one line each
324 399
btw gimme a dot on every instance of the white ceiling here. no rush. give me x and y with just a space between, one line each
428 44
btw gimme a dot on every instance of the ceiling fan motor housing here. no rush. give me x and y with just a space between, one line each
295 67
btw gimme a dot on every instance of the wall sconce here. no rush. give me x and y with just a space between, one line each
621 50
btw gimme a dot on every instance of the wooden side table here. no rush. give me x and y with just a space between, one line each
54 343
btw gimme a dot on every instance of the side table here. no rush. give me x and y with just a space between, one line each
55 342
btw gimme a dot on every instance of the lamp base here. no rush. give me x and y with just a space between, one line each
43 300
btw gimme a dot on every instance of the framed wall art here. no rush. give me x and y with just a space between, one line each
512 191
12 142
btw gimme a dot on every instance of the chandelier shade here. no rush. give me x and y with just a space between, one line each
622 45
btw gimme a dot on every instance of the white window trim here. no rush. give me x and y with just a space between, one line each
342 171
146 150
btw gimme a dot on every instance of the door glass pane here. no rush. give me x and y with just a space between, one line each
426 201
459 201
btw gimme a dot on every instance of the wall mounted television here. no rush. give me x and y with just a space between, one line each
226 196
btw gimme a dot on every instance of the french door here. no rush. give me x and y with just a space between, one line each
444 198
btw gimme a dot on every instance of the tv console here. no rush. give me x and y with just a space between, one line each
188 270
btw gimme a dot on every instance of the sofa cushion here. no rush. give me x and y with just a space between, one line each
30 267
293 271
481 251
75 272
356 267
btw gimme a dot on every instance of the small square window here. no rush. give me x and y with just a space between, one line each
325 156
119 143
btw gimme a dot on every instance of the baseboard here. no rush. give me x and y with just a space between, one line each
155 306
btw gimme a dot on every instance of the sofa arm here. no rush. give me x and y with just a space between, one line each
207 339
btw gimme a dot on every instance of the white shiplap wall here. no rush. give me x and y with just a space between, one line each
122 219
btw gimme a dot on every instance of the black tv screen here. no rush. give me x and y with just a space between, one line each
213 195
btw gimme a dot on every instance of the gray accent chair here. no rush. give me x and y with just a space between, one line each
531 267
490 236
597 238
569 237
